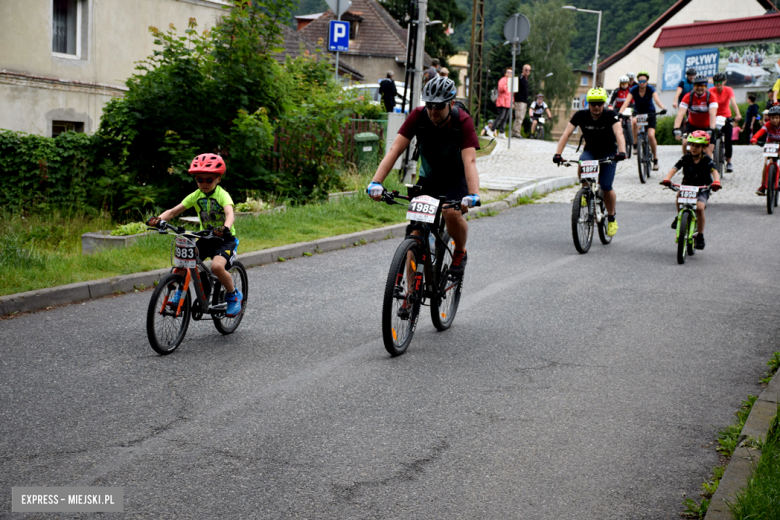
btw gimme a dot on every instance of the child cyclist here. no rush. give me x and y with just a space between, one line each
698 170
772 131
215 209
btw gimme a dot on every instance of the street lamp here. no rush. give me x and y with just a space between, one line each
598 36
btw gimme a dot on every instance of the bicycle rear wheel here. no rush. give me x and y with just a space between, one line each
402 299
222 323
641 158
605 239
444 308
683 227
582 220
771 191
164 329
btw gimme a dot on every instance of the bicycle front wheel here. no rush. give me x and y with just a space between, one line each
641 159
605 239
222 323
582 220
683 235
771 191
541 134
402 299
444 304
164 329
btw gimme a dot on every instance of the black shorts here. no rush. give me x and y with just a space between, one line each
453 189
650 120
213 247
689 128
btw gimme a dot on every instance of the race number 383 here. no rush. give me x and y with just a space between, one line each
423 209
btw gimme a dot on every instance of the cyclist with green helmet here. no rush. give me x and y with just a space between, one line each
643 96
698 170
603 138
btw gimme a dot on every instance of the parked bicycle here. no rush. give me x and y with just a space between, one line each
172 306
719 152
772 175
420 271
588 209
686 219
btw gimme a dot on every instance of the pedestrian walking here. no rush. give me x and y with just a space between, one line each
432 71
503 102
388 91
521 101
444 72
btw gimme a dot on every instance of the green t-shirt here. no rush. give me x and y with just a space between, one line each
211 207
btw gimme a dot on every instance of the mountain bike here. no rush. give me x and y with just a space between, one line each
628 134
420 271
594 212
167 322
772 176
539 132
718 154
686 219
644 153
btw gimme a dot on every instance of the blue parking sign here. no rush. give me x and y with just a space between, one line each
338 40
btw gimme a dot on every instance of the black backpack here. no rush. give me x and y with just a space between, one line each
454 115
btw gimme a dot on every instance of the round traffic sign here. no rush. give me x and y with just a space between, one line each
517 28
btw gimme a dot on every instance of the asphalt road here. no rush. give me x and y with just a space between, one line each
570 386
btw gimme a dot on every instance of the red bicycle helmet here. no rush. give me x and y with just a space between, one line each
208 163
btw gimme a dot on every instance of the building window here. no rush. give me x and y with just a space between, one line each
584 81
66 23
60 127
575 103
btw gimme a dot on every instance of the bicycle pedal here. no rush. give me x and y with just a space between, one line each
220 307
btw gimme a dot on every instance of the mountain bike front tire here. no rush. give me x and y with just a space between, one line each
540 134
683 235
641 158
771 191
444 308
582 218
402 296
164 329
224 324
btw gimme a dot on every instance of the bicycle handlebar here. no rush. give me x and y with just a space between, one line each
570 162
676 187
389 197
206 233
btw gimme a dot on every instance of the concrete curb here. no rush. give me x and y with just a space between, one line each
81 291
741 465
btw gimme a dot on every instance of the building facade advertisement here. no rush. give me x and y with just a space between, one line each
745 66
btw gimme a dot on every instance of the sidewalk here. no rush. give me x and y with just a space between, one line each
525 162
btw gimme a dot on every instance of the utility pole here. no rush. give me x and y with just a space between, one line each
476 84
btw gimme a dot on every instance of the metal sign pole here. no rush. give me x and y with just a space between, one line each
511 97
338 17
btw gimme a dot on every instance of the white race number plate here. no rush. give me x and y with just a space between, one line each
423 209
720 121
641 119
185 253
687 194
590 169
771 149
541 120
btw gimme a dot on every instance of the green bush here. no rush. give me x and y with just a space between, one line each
664 130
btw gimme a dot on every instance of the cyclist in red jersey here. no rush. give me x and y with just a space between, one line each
701 108
619 95
772 131
724 96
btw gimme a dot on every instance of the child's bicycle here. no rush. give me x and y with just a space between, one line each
594 212
686 219
419 271
771 151
166 321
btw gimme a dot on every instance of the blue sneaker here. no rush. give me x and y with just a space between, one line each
234 303
174 301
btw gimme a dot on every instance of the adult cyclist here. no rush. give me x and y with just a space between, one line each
617 102
684 86
725 98
643 96
448 144
701 108
631 80
537 109
603 138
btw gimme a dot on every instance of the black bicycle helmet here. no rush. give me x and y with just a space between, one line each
719 76
691 71
439 90
774 111
698 80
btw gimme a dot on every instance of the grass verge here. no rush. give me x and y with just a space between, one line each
43 251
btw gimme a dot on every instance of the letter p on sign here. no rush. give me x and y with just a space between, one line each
339 36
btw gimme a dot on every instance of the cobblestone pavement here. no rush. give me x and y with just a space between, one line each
529 160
